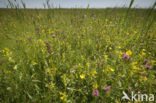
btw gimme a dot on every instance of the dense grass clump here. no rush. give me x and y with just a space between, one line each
76 55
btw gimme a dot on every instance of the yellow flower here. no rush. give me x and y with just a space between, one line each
111 69
134 63
93 73
145 78
62 97
48 71
11 60
33 63
105 56
129 52
135 67
143 54
15 67
51 85
135 32
88 64
95 86
46 85
82 76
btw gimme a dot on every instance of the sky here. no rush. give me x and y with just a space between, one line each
82 3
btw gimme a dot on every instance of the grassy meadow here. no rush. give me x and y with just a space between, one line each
76 55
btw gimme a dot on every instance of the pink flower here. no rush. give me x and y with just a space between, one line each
147 61
107 89
125 56
53 36
73 71
144 74
95 92
148 66
28 38
111 25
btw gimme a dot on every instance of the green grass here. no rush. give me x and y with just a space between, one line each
41 48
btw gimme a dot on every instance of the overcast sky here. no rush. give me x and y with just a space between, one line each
83 3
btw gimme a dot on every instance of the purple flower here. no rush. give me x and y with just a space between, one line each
73 71
111 25
60 32
0 51
95 92
29 38
148 66
97 40
90 29
147 61
53 36
144 74
125 56
107 89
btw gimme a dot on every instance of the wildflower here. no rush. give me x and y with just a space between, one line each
11 60
29 38
53 36
105 56
144 74
125 56
73 71
94 73
33 63
51 85
135 67
48 47
107 89
90 29
143 50
95 86
41 43
135 32
82 76
15 67
145 78
119 47
143 54
88 64
7 52
9 88
111 25
111 69
97 40
48 71
95 92
46 85
128 52
63 96
148 66
147 61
